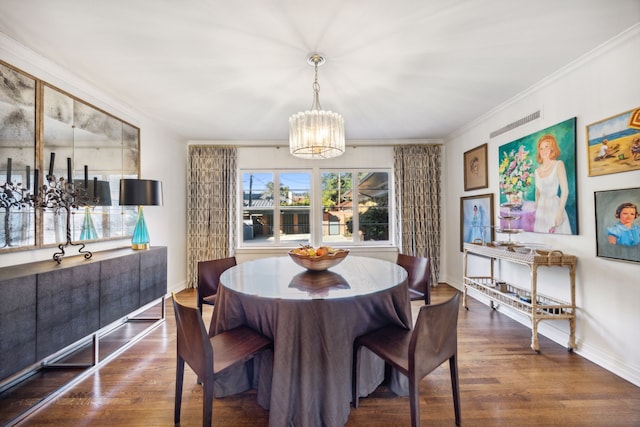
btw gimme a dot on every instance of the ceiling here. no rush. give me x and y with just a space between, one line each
236 70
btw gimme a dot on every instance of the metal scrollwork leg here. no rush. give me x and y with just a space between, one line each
57 257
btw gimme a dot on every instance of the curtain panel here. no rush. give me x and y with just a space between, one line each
417 171
211 206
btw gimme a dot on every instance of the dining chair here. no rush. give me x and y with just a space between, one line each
209 357
416 353
209 278
419 271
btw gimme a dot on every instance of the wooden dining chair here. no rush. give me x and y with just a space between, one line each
416 353
419 271
209 357
209 278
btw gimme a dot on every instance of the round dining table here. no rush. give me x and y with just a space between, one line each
313 319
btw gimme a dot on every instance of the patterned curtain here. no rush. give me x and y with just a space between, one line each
211 206
417 192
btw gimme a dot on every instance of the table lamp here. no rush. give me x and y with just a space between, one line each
140 192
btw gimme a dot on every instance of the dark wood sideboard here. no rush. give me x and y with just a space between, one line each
46 307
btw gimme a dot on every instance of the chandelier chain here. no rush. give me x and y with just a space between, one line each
316 88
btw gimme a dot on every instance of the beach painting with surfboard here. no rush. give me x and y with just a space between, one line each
613 144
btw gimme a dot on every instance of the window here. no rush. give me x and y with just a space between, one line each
317 207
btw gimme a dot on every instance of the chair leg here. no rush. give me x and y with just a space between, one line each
414 400
207 402
179 382
355 371
455 387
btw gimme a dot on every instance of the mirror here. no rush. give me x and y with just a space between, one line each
78 143
18 148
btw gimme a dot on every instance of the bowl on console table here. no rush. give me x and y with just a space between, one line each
319 262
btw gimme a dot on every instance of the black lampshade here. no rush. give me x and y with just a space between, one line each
140 192
103 191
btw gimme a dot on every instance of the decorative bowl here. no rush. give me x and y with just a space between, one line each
319 263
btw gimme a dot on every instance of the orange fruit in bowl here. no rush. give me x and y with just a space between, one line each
322 251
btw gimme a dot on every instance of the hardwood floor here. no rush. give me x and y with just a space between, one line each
502 383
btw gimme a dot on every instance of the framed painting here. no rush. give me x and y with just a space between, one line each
476 219
618 224
537 181
475 168
613 144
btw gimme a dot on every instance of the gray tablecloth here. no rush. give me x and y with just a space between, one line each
306 381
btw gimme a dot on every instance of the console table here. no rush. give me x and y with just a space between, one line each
527 301
47 308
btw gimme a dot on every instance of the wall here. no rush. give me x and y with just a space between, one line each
601 84
162 155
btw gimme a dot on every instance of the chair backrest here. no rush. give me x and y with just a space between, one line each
193 341
418 269
209 275
435 336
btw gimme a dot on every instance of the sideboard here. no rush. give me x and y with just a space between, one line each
46 307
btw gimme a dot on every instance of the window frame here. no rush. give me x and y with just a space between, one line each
316 208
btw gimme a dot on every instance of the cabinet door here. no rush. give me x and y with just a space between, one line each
153 274
68 307
17 324
119 288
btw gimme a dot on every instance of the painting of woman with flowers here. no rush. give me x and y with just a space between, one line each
538 180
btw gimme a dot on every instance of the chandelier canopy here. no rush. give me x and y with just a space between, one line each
315 133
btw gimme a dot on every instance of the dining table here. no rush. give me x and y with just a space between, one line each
313 318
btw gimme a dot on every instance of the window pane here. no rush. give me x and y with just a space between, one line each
373 206
337 206
257 204
295 207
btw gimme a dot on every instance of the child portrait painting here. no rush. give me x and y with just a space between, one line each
618 224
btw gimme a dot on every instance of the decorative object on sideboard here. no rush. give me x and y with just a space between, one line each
63 193
507 218
315 133
140 192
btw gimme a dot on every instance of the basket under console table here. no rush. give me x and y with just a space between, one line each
527 301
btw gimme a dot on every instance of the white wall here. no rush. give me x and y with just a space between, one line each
599 85
163 157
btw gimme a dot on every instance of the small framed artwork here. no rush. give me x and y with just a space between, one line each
476 219
613 144
475 168
618 224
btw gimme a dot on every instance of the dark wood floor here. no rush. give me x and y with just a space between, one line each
502 383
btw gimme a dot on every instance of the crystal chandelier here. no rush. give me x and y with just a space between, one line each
315 133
